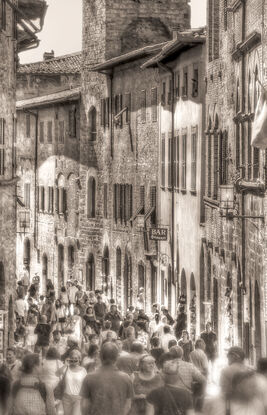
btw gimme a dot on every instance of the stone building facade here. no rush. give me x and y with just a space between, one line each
181 172
122 155
13 39
233 260
48 154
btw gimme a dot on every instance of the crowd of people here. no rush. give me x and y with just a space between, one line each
77 355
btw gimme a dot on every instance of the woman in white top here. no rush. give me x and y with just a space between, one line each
74 376
51 368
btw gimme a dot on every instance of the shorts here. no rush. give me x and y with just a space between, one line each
62 320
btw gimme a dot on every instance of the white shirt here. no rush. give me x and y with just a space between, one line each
20 307
49 370
74 381
72 292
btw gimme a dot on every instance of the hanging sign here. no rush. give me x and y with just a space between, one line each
158 234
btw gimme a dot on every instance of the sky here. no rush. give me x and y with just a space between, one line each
62 31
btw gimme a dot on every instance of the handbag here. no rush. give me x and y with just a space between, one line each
60 388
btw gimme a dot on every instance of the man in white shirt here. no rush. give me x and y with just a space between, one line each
21 307
166 337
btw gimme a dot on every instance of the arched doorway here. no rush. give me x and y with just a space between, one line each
202 289
118 275
60 266
27 253
105 273
90 273
192 306
71 260
239 307
128 291
44 273
11 320
257 313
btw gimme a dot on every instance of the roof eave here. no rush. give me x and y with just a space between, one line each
48 100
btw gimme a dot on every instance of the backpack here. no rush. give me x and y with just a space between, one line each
39 386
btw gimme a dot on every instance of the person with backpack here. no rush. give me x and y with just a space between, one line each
30 396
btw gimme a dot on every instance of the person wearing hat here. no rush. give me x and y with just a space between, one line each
236 364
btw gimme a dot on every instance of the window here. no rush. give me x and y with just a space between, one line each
41 132
41 198
195 82
72 122
2 14
104 114
193 160
154 102
49 132
142 199
209 164
185 83
105 200
184 140
174 163
2 146
256 88
122 206
213 29
163 160
143 106
92 124
61 132
91 198
27 195
177 86
62 200
153 203
128 106
177 161
50 199
163 95
28 125
90 273
170 160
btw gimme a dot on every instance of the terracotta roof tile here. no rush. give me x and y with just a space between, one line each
62 64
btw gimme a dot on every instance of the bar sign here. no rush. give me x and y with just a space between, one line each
158 234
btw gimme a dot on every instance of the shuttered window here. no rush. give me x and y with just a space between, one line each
128 106
154 104
72 123
185 82
163 95
56 192
170 160
105 200
223 162
41 132
193 161
163 160
115 202
91 198
177 86
61 137
184 153
118 199
27 195
122 202
143 106
92 124
49 132
2 146
28 125
153 203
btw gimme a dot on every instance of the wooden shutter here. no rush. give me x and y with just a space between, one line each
105 200
193 161
163 160
131 200
49 132
256 161
237 147
121 203
177 87
72 122
27 192
153 203
154 104
174 163
61 132
249 152
170 160
41 132
64 200
128 105
143 106
184 143
209 165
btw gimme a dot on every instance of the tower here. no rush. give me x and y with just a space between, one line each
114 27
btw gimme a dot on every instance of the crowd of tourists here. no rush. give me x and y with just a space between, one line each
77 355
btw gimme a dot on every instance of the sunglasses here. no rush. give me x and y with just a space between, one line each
73 361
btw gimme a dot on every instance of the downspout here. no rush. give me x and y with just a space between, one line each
169 70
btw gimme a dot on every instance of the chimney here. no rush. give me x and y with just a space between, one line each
49 55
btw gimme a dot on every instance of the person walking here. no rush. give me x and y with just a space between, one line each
5 389
13 363
186 344
144 381
107 391
114 317
43 330
30 396
210 340
74 375
31 337
181 322
166 337
60 312
50 368
100 310
199 359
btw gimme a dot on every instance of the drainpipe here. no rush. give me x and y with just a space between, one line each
169 70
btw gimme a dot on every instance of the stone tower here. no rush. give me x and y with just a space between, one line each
113 27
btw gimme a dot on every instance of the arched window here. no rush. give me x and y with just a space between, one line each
90 273
92 123
105 269
91 196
